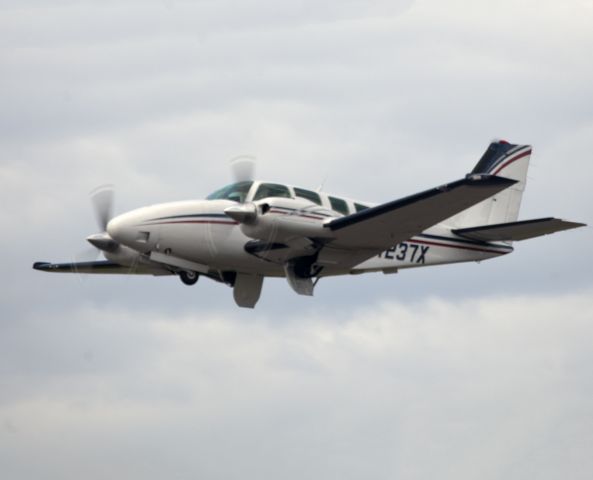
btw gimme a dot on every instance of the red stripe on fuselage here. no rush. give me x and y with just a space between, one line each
475 249
216 222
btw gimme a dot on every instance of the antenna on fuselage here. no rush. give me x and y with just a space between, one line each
322 185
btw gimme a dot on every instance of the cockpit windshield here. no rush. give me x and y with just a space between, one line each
237 192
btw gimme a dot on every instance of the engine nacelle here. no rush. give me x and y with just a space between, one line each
280 220
124 256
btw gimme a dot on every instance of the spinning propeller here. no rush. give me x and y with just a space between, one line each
102 200
243 170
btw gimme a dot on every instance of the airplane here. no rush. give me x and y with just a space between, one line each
253 229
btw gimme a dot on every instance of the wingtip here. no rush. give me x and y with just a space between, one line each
44 266
488 179
570 222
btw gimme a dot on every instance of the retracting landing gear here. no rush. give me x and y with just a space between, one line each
300 273
301 285
247 289
189 277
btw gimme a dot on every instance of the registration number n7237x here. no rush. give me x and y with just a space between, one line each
404 251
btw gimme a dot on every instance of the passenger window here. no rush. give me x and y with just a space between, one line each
359 207
308 194
266 190
339 205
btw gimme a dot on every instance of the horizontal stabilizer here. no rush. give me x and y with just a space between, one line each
515 231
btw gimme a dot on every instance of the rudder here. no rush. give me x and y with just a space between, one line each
506 160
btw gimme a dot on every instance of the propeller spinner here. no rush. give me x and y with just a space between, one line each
244 213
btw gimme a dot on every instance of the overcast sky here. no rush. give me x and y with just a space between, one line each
461 372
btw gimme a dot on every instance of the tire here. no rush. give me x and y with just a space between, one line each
189 277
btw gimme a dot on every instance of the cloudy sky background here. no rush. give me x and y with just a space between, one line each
462 371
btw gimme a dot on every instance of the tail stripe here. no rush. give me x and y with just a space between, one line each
496 155
506 156
508 162
514 150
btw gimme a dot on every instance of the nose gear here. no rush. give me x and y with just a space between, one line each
189 277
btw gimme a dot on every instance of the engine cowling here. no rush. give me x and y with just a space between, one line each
282 220
123 255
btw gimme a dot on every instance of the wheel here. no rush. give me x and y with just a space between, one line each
188 277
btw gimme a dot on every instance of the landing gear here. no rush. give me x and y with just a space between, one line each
188 277
247 289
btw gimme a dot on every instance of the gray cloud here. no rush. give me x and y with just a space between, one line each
381 103
491 387
463 370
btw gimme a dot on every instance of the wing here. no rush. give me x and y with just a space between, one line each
515 231
390 223
103 266
362 235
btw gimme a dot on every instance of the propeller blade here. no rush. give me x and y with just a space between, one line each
89 254
243 168
102 200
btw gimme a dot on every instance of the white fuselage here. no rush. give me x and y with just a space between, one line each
198 235
250 230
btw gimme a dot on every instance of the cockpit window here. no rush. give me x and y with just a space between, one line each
266 190
237 192
308 194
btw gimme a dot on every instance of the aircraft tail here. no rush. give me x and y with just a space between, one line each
501 159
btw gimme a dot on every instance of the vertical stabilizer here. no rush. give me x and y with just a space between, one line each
505 160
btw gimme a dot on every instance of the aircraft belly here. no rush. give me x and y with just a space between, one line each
220 247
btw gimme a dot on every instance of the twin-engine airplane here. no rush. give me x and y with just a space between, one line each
252 229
